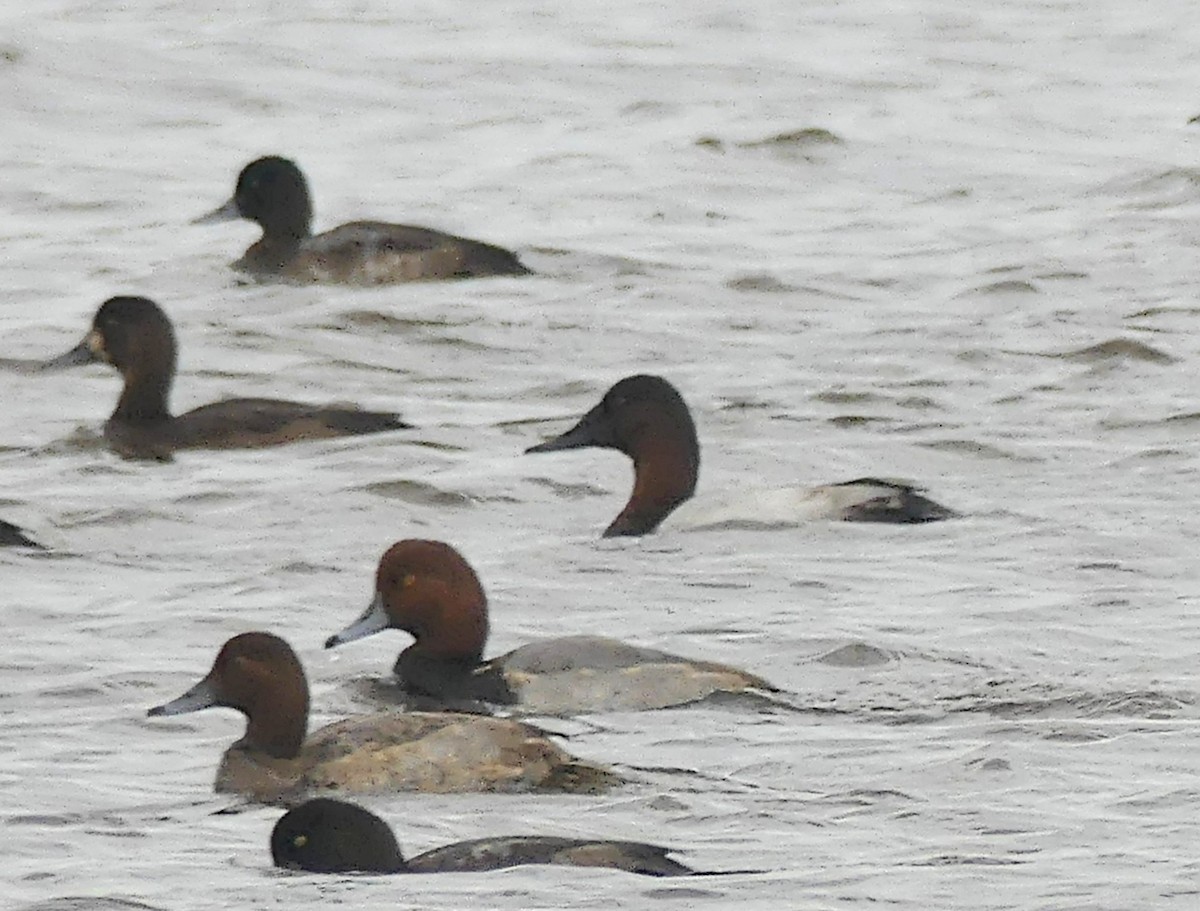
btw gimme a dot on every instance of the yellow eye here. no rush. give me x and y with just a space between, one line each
410 580
300 841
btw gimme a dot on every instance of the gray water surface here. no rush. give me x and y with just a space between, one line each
947 242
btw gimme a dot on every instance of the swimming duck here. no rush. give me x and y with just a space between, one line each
324 835
273 193
135 336
259 675
646 418
428 589
11 536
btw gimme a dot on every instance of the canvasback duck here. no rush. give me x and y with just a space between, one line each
324 835
428 589
135 336
273 193
646 418
439 752
11 536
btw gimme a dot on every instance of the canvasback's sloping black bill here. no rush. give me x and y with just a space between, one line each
202 696
594 429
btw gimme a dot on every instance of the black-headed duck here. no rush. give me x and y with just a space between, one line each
134 335
324 835
273 193
428 589
260 676
646 418
12 536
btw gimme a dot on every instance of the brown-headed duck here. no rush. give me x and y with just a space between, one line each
134 335
273 193
428 589
11 536
439 752
324 835
647 419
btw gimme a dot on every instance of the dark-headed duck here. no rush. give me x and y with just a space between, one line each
259 675
134 335
273 193
647 419
331 836
428 590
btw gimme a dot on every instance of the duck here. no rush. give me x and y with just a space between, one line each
272 192
429 590
135 336
645 417
12 536
327 835
259 675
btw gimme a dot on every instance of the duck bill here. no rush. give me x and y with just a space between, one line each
593 429
83 353
202 696
227 212
373 620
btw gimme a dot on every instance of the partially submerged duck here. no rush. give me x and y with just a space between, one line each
11 536
646 418
260 676
324 835
135 336
273 193
428 589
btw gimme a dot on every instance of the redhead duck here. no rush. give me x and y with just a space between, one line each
428 590
259 675
135 336
647 419
273 193
324 835
11 536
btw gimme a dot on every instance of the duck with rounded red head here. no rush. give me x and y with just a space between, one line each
260 676
135 336
646 418
429 590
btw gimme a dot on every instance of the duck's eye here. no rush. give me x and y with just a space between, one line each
300 841
409 580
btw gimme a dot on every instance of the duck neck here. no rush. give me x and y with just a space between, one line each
663 477
451 679
274 250
144 398
277 722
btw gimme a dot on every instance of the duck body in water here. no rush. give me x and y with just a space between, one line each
646 418
273 193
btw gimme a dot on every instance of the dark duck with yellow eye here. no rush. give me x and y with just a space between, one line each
135 336
331 836
273 193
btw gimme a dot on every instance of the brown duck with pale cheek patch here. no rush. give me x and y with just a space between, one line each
428 589
645 418
260 676
135 336
273 193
